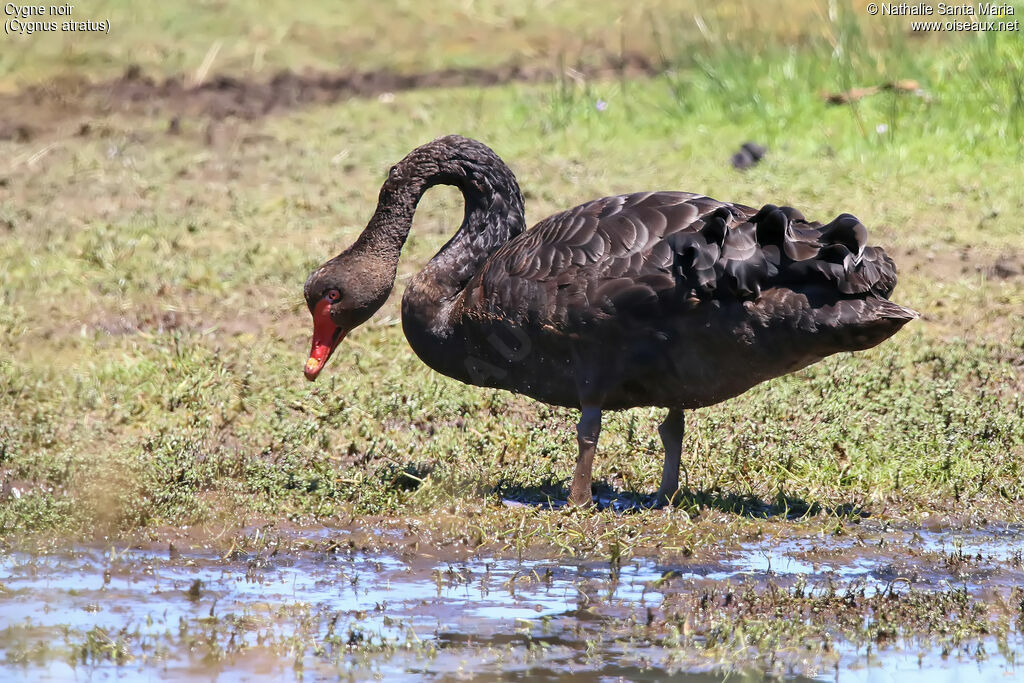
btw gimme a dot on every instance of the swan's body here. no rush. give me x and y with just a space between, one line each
651 299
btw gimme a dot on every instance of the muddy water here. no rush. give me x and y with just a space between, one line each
128 614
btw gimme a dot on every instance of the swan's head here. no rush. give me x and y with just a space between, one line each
341 295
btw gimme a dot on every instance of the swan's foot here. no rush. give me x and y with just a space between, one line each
587 432
659 500
671 432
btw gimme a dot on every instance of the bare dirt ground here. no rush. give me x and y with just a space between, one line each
39 109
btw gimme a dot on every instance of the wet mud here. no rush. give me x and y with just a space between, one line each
913 604
41 108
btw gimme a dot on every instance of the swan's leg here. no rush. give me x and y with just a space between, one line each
671 432
587 432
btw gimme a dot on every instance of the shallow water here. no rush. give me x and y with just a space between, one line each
126 614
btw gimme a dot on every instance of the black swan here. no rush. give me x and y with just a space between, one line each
665 299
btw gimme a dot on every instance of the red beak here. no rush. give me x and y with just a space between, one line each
326 337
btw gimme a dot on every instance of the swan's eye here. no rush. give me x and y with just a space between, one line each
332 295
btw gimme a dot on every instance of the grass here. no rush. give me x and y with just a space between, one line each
241 39
154 332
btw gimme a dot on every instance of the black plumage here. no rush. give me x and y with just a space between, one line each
664 299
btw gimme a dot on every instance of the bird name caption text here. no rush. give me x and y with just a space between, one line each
945 16
27 20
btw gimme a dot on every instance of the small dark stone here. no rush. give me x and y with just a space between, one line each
749 154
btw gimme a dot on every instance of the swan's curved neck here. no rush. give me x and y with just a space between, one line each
494 214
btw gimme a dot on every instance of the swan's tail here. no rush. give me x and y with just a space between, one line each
859 324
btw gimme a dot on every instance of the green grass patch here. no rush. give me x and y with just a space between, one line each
154 330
